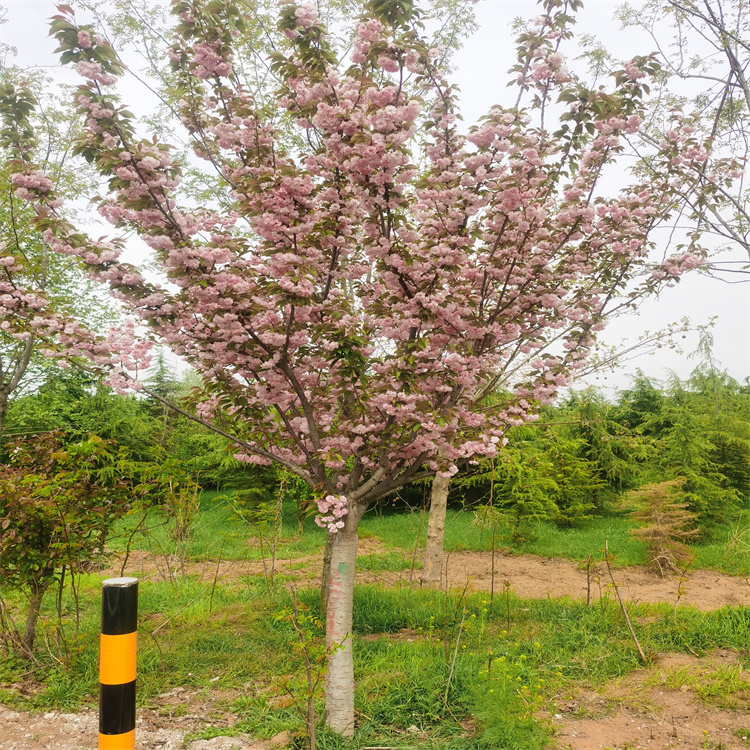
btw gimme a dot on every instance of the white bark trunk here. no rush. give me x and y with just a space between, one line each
432 571
340 676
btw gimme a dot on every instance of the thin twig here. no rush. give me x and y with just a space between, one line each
161 655
309 713
494 533
641 655
455 656
130 540
216 576
680 590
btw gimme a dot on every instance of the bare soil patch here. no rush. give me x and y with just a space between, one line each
539 577
639 712
154 731
163 725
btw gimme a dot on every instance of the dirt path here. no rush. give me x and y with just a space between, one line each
156 729
538 577
528 576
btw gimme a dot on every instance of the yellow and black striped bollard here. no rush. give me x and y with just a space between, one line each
117 664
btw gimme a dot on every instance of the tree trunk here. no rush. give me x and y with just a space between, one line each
432 571
29 633
340 675
11 376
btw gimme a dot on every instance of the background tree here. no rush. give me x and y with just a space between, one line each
685 451
74 405
523 484
640 403
724 403
665 524
57 506
699 433
615 450
576 483
348 305
707 44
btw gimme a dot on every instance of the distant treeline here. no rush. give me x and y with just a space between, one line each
582 455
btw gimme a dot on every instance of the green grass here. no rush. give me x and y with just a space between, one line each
425 662
578 543
729 549
387 561
405 530
182 642
216 533
718 685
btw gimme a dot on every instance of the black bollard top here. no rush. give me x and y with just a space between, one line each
119 606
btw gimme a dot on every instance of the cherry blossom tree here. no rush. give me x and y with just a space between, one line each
358 290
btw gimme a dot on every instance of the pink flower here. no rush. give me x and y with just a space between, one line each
94 71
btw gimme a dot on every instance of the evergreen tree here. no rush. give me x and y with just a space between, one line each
77 405
524 489
576 483
682 435
615 450
640 403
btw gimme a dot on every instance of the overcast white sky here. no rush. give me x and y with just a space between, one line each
481 76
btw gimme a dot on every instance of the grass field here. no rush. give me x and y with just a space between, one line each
440 669
493 664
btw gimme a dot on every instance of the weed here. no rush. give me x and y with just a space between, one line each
738 538
725 685
708 744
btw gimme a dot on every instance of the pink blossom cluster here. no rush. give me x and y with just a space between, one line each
15 301
306 15
131 355
676 265
550 69
331 510
31 180
368 33
633 72
93 71
208 62
9 262
27 313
